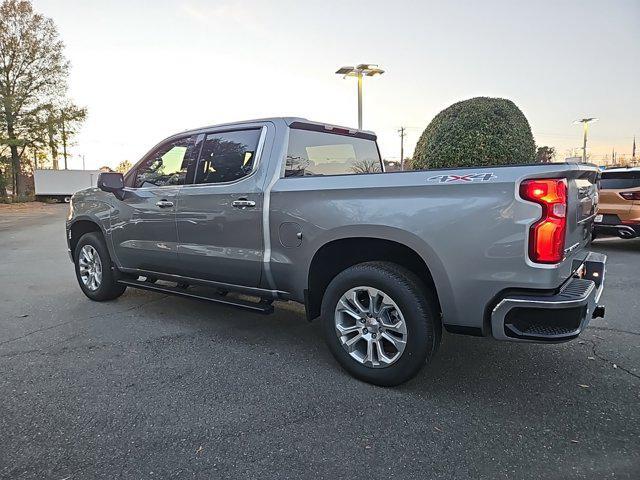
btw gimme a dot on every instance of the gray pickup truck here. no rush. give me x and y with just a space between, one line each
287 209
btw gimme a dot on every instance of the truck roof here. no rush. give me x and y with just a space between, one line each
287 120
622 169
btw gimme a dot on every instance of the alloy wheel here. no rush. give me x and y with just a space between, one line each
370 327
90 267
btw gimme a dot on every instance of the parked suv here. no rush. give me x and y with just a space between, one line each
619 206
288 209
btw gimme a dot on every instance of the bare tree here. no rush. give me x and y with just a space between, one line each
33 80
366 166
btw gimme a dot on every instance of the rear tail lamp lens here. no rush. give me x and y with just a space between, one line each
547 235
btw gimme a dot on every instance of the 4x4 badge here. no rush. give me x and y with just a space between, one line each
470 177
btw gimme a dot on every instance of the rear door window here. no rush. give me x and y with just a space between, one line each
314 153
228 156
619 180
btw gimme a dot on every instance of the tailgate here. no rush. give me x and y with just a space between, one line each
582 203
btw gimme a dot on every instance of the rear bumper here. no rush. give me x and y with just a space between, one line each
553 318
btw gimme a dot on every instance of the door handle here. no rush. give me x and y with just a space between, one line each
243 203
164 204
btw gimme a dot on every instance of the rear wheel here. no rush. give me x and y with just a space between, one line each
94 271
380 322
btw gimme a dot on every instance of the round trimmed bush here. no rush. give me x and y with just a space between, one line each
477 132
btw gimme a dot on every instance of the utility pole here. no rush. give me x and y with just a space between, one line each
402 135
83 168
64 139
584 144
359 101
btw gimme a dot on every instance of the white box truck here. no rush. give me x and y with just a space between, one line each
61 184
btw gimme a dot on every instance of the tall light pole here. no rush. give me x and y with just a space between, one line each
585 123
359 71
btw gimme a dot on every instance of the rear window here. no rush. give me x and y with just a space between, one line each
619 180
317 153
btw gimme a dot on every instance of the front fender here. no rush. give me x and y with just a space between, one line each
86 208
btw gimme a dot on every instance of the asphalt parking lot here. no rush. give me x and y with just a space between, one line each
150 386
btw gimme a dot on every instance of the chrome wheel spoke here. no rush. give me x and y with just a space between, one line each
382 356
349 309
347 330
396 342
353 298
395 327
370 350
373 301
350 344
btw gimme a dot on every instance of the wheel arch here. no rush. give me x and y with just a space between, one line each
95 219
80 227
338 254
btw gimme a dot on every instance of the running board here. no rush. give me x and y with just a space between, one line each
263 306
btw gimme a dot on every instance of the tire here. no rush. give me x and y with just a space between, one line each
92 244
414 303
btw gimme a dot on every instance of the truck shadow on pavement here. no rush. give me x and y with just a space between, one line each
463 367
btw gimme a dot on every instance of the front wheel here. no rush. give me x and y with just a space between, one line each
93 269
380 322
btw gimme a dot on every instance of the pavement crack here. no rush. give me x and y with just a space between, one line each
594 351
616 330
106 314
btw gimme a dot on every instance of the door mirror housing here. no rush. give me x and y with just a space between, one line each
112 182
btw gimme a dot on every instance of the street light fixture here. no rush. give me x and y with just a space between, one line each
585 122
359 71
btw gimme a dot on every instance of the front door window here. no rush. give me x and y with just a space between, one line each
168 165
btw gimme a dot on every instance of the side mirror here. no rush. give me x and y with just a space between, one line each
112 182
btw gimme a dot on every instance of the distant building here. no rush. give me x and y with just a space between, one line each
391 165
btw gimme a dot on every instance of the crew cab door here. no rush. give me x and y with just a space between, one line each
219 215
143 224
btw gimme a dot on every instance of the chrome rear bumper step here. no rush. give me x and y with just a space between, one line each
553 318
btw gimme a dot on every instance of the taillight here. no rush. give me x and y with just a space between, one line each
630 195
546 236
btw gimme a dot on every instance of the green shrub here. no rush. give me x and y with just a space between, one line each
480 131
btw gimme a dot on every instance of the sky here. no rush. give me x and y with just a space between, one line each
148 69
